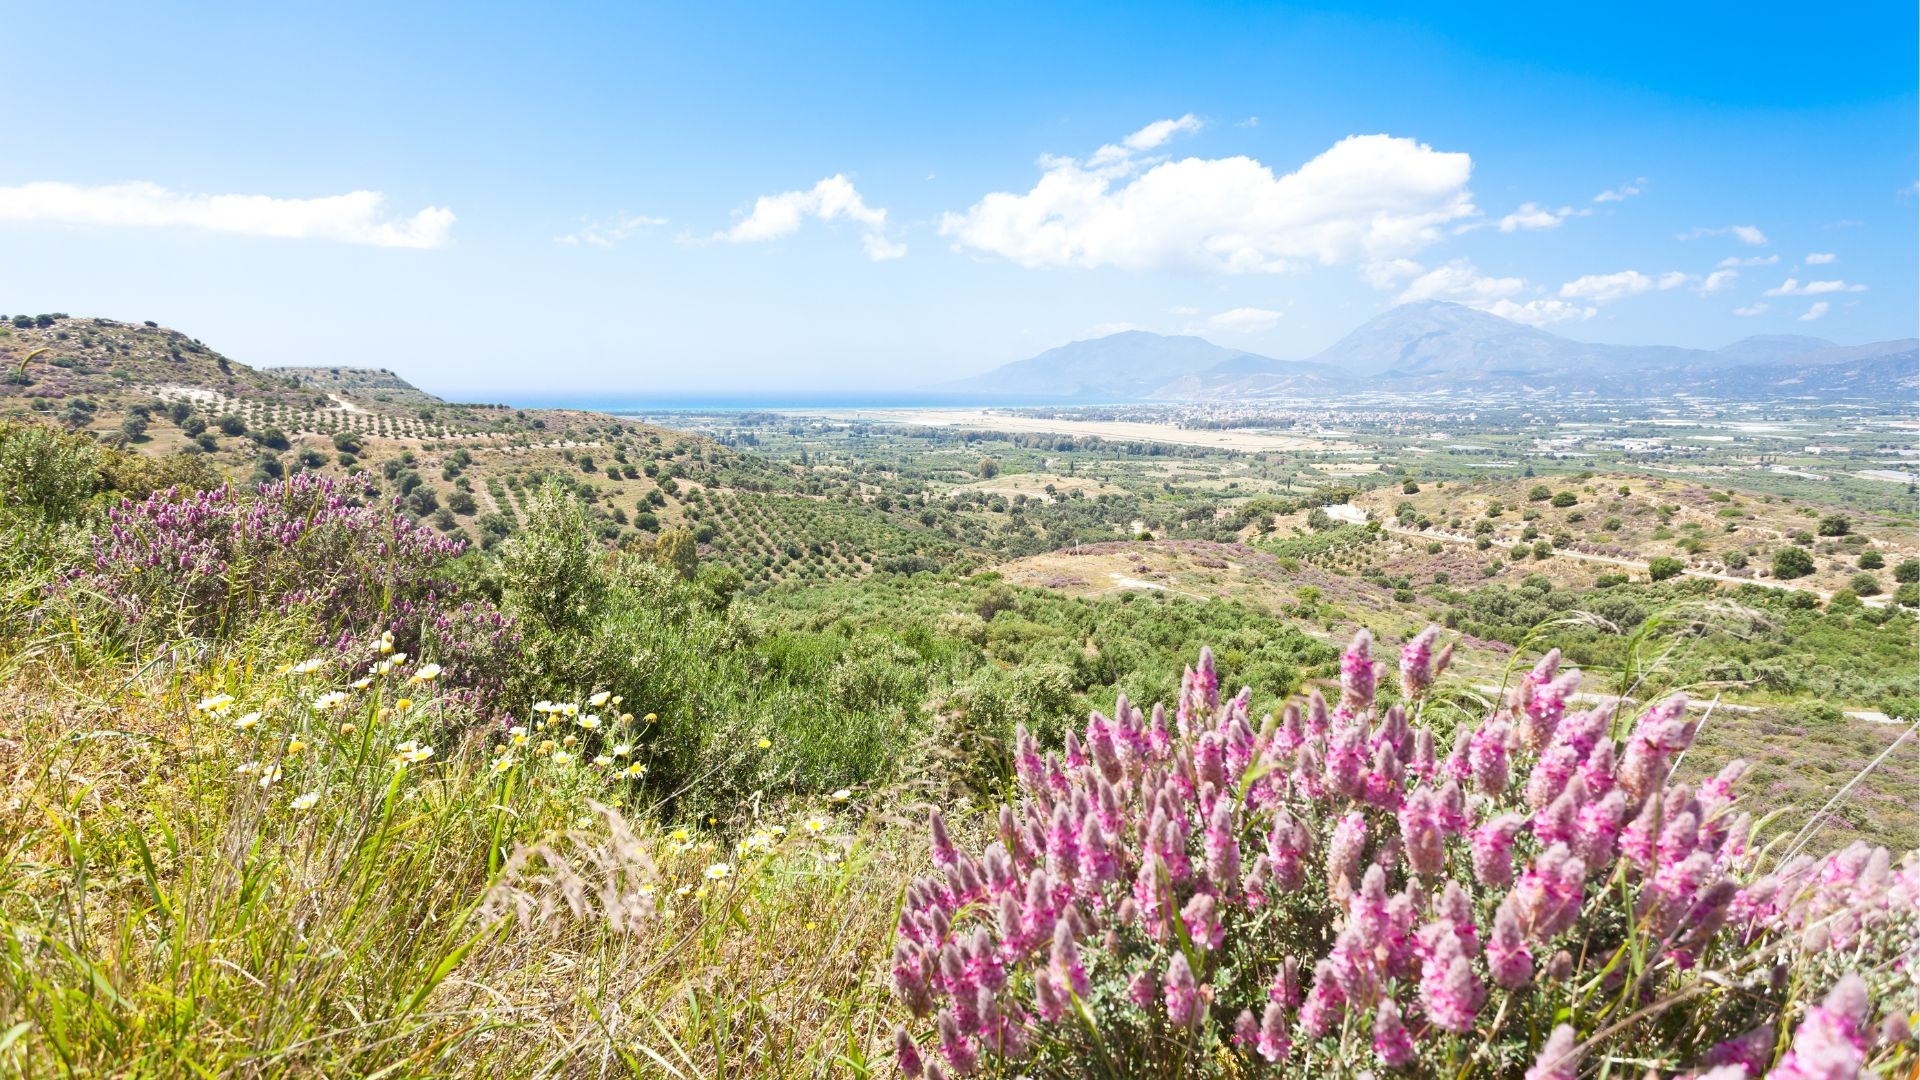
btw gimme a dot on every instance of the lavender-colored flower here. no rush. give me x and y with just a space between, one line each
1421 834
1246 1030
1325 1003
1357 675
1222 847
910 979
1558 1059
1749 1051
1831 1041
1345 852
1493 850
1183 995
1141 989
1509 960
1416 663
1285 989
1391 1042
955 1045
1201 917
1274 1040
906 1053
1449 993
943 853
1487 754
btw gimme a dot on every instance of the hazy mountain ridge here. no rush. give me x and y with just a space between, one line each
1436 346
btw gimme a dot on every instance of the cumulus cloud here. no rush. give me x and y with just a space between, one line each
1817 311
353 218
1368 198
1821 258
1749 235
1160 131
607 232
1462 283
1793 287
776 216
1541 312
1535 216
1751 260
1621 193
1245 320
1606 288
1758 307
1716 281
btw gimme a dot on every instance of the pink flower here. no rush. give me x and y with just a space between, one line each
1223 850
1509 960
1202 919
1183 996
1274 1039
1391 1043
943 853
1324 1003
1416 663
1421 834
906 1053
1345 851
954 1044
1357 675
1286 852
1487 754
1557 1060
1493 850
1830 1043
1449 993
1140 989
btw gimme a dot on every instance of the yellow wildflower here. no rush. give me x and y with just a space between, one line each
217 704
719 872
305 802
425 673
247 722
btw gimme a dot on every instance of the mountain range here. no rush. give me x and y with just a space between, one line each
1435 346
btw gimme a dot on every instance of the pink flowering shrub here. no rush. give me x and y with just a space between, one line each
328 551
1342 888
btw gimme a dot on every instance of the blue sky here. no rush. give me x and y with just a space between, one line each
598 197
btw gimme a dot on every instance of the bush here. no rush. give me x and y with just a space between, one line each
1565 499
1664 567
1871 560
1907 572
1864 584
1792 562
1835 525
1180 896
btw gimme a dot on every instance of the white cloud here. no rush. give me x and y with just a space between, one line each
1535 216
1606 288
1245 320
1105 329
353 218
1461 282
1157 133
1621 193
607 232
1540 312
1793 287
1749 235
1368 198
775 216
1758 307
1751 260
1821 258
1182 309
1818 310
1716 281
